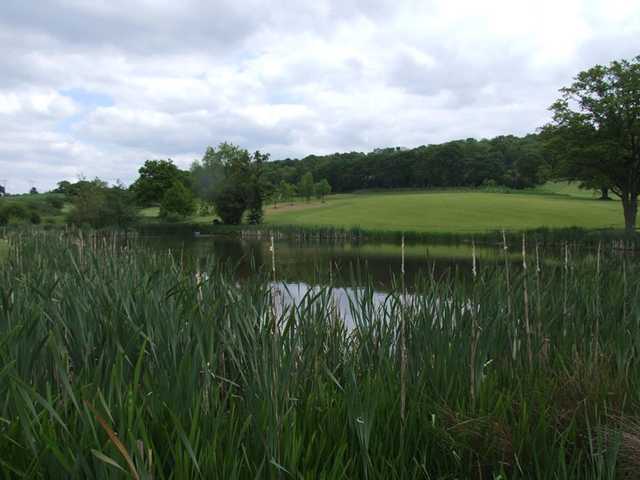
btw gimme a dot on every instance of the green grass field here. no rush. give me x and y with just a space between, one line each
551 206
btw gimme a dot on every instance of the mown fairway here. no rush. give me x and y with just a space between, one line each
452 212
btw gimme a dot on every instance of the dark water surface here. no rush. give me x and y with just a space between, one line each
335 263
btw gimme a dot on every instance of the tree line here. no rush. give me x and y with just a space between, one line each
593 138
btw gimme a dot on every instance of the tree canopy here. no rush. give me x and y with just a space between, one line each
506 160
232 180
595 133
156 177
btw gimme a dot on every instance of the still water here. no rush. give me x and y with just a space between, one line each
335 263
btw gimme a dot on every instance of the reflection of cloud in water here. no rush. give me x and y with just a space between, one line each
293 295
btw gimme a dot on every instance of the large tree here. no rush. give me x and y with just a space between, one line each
231 179
595 131
156 177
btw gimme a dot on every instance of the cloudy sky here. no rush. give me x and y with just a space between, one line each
95 87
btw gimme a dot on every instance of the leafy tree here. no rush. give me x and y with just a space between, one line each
224 178
177 200
258 188
596 131
322 189
99 206
119 209
156 177
285 191
233 181
63 187
305 186
33 191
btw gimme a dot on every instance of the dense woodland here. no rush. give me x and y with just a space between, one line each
506 160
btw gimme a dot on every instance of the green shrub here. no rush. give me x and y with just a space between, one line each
177 200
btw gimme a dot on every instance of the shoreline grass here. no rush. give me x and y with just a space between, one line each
121 362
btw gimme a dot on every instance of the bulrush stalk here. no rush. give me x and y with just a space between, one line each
475 328
527 326
403 341
505 250
565 288
117 366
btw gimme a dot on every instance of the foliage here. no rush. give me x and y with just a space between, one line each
305 186
232 180
259 189
301 394
285 191
72 190
156 177
507 160
595 133
322 189
33 191
177 200
97 206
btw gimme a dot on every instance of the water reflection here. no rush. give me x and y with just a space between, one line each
338 264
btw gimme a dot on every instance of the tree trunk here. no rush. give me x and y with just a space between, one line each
604 194
630 207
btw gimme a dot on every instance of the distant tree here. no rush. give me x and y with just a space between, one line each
34 218
322 189
156 177
285 191
63 187
305 186
223 177
33 191
99 206
258 188
177 200
595 132
233 181
119 209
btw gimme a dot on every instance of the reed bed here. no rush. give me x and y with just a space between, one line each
119 362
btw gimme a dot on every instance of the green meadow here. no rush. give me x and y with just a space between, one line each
555 206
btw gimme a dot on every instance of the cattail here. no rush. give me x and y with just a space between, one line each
538 291
565 288
272 248
403 343
505 250
526 301
475 330
473 255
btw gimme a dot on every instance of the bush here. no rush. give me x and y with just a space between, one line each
177 200
172 217
231 204
55 202
34 218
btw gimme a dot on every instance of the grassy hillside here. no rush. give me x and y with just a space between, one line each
552 206
50 207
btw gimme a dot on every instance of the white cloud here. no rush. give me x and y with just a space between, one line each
96 88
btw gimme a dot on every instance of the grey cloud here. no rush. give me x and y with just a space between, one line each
290 77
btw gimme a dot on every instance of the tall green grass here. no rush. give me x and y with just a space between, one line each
117 362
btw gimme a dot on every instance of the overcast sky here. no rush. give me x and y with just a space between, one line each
95 87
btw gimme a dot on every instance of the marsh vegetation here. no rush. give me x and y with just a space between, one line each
121 361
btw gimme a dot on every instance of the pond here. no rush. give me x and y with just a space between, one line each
336 263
